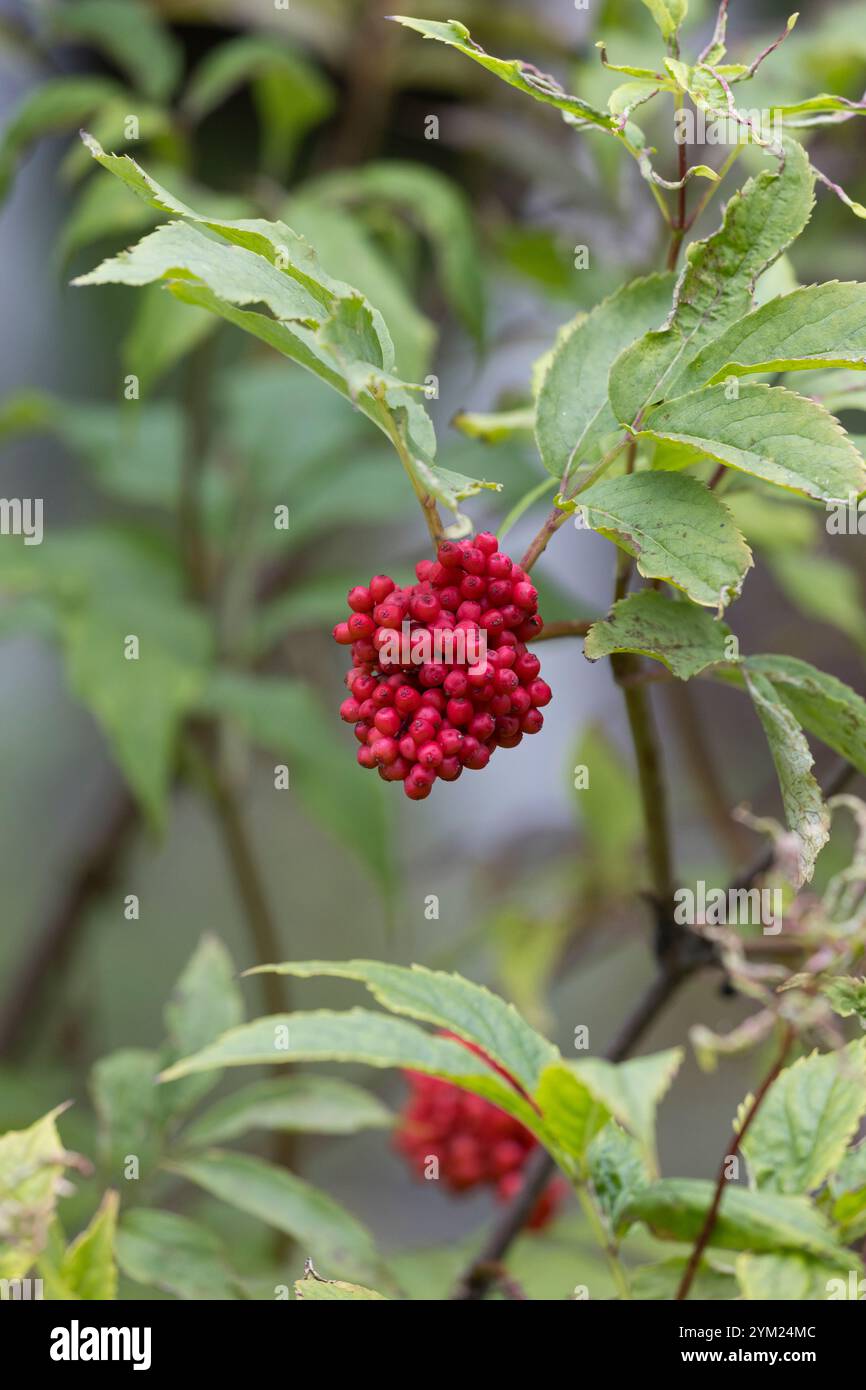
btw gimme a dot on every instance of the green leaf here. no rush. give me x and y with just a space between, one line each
617 1167
32 1162
291 94
446 1000
572 1113
88 1268
846 995
57 105
608 806
717 282
172 1253
357 1035
316 1289
828 708
676 1208
766 431
806 1120
789 1277
668 15
436 206
818 324
163 331
573 412
334 1238
495 426
807 817
299 1104
676 528
848 1190
284 717
128 33
205 1002
344 248
661 1281
322 323
684 638
524 76
822 588
631 1091
139 703
128 1109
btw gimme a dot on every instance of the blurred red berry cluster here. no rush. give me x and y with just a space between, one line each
418 717
476 1144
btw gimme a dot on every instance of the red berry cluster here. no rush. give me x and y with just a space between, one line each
476 1143
419 721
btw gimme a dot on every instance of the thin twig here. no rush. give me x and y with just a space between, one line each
737 1138
567 627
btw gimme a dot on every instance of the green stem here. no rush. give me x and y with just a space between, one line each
524 504
599 1231
425 498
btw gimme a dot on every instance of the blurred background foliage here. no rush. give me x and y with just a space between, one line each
319 114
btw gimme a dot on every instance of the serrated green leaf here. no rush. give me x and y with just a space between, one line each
765 431
684 638
790 1277
806 1120
807 817
668 15
284 717
827 707
573 412
128 1110
524 76
446 1000
358 1035
813 325
318 1290
298 1104
676 1209
321 323
88 1268
32 1162
677 530
169 1252
717 281
334 1238
204 1003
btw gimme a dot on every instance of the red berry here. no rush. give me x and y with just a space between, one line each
360 599
385 750
540 693
380 587
388 721
430 755
415 720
